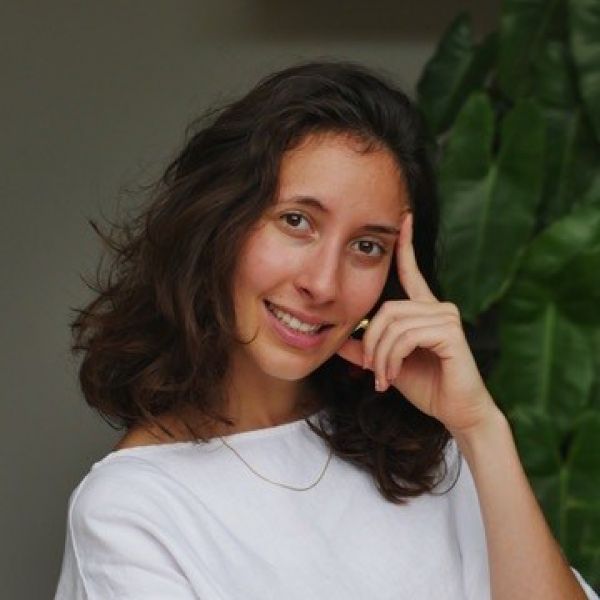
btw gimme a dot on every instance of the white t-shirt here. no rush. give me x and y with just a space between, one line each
191 521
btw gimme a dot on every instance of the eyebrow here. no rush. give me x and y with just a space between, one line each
371 228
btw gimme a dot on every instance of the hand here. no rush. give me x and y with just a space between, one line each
418 346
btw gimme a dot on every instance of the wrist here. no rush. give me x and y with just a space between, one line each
490 422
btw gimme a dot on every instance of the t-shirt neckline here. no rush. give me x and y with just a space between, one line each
239 436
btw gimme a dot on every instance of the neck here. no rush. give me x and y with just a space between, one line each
261 401
255 400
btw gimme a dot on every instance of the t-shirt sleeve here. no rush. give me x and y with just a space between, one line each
118 542
471 534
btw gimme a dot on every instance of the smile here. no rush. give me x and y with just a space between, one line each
292 322
294 332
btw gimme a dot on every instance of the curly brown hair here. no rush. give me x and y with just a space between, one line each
158 335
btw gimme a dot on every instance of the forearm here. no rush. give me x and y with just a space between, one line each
525 560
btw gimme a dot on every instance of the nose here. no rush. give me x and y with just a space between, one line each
319 273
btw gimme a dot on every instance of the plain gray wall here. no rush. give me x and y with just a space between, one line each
95 97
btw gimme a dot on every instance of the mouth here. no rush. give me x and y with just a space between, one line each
294 333
295 323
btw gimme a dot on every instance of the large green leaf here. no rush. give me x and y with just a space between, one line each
525 26
539 444
565 241
547 319
595 391
578 294
553 75
545 359
488 207
584 24
581 529
592 195
571 162
564 471
456 69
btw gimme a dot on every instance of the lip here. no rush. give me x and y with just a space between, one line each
297 339
310 320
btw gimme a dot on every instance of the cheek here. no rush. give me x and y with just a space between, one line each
263 263
363 293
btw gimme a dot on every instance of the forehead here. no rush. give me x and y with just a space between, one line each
335 169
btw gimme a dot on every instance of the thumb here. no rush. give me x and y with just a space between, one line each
352 351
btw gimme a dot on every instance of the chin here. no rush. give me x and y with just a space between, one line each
289 372
288 368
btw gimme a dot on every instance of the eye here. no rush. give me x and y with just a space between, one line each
292 219
371 245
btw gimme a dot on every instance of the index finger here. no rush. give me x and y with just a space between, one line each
410 277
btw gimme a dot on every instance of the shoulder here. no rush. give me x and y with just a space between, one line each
117 487
123 535
120 504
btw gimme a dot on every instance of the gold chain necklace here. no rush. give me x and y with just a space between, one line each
285 485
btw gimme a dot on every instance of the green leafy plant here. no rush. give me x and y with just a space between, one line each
515 120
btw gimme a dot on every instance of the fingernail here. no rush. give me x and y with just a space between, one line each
380 385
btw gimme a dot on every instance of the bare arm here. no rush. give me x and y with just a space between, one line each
418 345
525 560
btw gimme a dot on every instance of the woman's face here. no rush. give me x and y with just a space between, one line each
317 255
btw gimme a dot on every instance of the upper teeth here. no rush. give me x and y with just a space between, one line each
291 321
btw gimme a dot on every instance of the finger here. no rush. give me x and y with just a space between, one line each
388 351
409 275
396 353
440 339
352 351
393 310
381 351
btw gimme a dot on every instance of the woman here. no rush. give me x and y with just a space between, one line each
271 451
